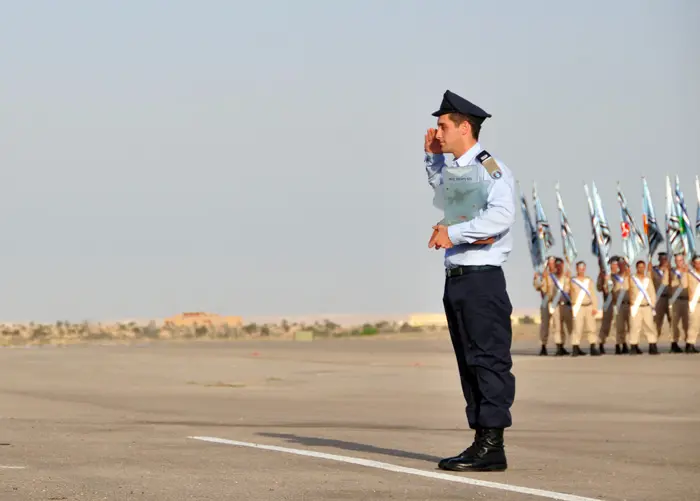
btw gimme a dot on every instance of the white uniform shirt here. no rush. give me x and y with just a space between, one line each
495 221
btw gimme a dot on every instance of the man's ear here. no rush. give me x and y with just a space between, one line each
465 128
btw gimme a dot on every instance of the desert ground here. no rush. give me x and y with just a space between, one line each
361 418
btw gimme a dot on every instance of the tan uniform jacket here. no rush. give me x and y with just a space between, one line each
682 282
620 288
634 291
693 284
539 283
574 291
664 278
552 288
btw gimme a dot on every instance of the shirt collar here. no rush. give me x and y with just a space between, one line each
469 155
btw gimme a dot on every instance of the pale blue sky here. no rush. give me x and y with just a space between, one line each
161 156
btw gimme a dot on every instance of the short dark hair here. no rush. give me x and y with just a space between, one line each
640 261
581 262
458 118
558 260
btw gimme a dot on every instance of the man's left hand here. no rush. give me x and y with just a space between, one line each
440 238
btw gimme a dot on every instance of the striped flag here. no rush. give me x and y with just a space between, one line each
567 236
652 232
686 229
544 233
633 241
674 240
533 242
605 235
597 246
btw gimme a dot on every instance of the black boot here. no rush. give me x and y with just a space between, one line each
690 348
577 352
560 350
634 350
618 349
543 351
594 351
675 348
653 350
625 349
467 456
602 349
490 454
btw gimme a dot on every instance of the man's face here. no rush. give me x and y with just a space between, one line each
581 269
451 136
663 260
551 265
678 260
622 265
559 266
696 264
614 267
640 268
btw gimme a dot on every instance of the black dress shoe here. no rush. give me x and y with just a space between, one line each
490 454
543 351
467 455
560 351
675 348
594 351
625 349
653 350
690 348
618 349
577 352
634 350
602 349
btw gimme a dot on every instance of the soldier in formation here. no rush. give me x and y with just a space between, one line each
635 303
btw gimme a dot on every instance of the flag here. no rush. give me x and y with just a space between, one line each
633 241
599 249
544 233
651 228
531 234
674 240
567 236
605 235
686 230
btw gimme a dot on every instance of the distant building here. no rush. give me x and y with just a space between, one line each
427 320
202 318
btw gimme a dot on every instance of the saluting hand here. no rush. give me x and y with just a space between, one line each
432 145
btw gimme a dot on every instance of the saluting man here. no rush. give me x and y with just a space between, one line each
642 297
584 309
476 302
693 305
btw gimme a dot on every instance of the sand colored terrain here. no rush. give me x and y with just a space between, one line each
111 421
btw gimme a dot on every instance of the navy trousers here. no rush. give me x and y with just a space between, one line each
478 312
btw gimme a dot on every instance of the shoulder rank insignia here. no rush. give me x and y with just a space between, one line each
489 164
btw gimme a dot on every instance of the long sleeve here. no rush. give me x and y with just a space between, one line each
434 163
497 218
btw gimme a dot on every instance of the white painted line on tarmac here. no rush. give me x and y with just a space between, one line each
3 467
402 469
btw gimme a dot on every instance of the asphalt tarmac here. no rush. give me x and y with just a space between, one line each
351 419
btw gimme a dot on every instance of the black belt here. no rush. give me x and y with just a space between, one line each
458 271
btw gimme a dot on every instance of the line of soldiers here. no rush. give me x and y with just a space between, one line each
635 304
